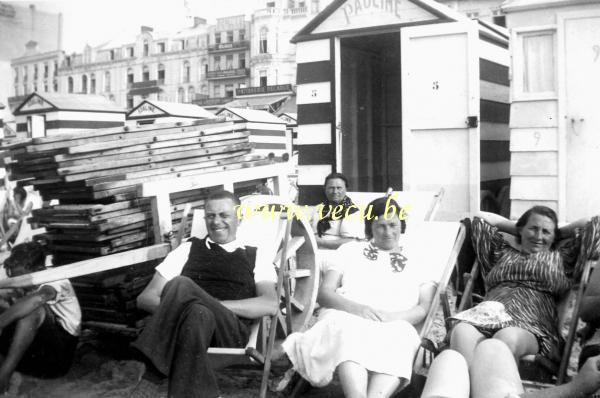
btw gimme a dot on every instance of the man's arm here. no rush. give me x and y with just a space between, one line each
591 299
586 382
27 305
266 302
331 244
149 298
569 229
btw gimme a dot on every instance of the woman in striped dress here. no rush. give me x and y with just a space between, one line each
524 281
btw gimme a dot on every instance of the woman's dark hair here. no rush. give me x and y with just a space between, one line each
29 255
336 175
377 208
542 211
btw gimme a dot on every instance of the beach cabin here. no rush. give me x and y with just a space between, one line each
151 112
44 114
403 93
554 117
291 122
268 133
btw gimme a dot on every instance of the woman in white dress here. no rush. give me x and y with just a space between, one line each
371 299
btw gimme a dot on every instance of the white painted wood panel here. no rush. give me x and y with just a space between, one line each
534 188
313 93
313 174
534 164
526 114
536 139
310 134
312 51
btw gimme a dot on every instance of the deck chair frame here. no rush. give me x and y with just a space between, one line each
297 240
536 371
424 355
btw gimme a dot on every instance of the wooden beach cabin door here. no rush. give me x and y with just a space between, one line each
581 118
440 107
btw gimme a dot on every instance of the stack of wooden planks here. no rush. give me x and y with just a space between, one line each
95 177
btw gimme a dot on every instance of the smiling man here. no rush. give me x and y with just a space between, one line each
205 293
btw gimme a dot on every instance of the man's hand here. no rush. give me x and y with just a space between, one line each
588 378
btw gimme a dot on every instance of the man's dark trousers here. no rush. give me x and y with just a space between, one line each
188 322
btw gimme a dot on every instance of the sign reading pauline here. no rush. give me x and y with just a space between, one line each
356 7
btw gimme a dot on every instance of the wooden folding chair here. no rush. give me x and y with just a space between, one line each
293 247
537 371
447 238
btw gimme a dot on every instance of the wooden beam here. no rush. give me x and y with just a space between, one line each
88 267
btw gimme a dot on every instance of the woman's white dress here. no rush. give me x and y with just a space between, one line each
374 278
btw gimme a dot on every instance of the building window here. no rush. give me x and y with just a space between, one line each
473 14
191 93
241 35
130 78
35 72
55 68
229 90
107 81
25 91
16 88
314 6
145 73
129 102
16 73
204 90
217 62
146 49
68 60
187 71
92 84
230 36
229 61
263 78
112 55
180 94
35 87
84 84
270 4
130 52
538 75
161 74
263 41
217 91
55 85
242 60
70 84
45 70
45 87
161 47
25 74
218 38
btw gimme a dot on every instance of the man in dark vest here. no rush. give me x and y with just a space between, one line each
205 293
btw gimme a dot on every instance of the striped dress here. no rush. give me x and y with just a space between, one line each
528 285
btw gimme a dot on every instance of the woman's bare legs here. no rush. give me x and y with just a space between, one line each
354 379
494 372
382 385
464 339
519 341
448 377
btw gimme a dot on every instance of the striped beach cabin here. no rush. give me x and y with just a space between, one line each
41 115
155 112
403 93
268 133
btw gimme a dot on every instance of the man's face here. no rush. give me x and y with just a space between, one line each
335 190
221 220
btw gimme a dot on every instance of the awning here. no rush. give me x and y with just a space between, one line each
270 103
144 91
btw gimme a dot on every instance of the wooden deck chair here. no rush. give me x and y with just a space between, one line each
538 372
447 238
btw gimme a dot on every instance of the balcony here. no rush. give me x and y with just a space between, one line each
212 101
228 73
231 46
144 88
